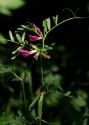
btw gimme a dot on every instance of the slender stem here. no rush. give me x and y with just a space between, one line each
40 122
30 85
42 77
43 42
31 92
24 95
64 22
16 76
23 89
70 11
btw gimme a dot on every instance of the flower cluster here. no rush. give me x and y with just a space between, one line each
35 49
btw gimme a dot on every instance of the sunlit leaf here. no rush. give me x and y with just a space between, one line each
48 23
44 26
18 38
23 36
55 19
11 36
25 27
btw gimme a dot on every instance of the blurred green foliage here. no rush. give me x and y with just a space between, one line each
6 6
2 39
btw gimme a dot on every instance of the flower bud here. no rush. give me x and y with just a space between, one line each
24 53
39 31
33 38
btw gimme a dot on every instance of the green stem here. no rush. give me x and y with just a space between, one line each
16 76
40 122
70 11
42 81
64 22
30 85
24 97
42 77
43 42
23 89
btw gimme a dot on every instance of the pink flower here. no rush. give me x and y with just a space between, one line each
34 26
33 38
24 53
36 29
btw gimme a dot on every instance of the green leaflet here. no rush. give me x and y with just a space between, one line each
19 38
4 69
33 102
44 26
55 19
23 36
40 105
11 36
48 23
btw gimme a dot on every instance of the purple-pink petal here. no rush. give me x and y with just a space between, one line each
33 38
39 31
33 26
36 29
24 53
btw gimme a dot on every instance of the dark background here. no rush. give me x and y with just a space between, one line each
36 11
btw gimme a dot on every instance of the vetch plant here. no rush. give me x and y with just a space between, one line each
31 42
